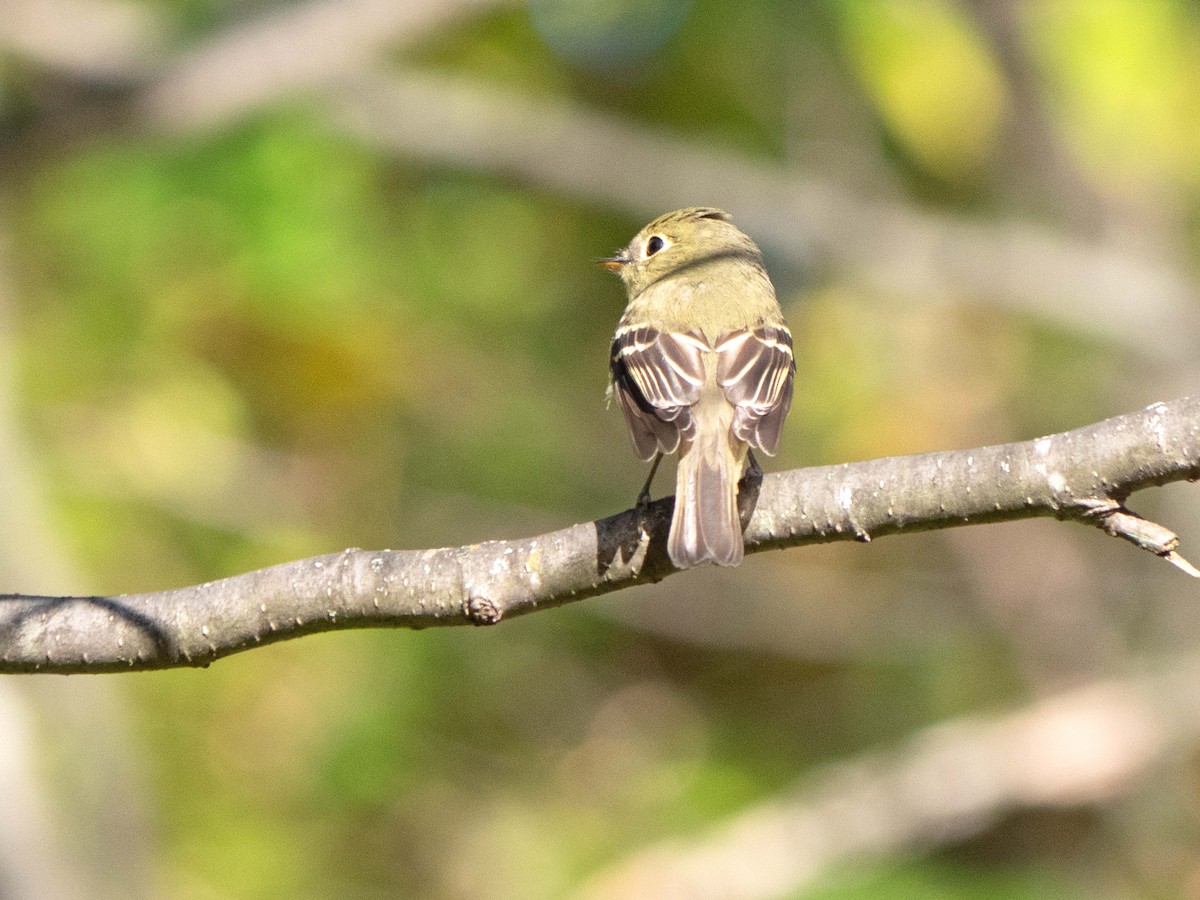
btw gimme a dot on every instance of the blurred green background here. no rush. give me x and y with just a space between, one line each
242 324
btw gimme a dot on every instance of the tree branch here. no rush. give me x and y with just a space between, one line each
949 782
331 49
1085 475
1096 288
287 51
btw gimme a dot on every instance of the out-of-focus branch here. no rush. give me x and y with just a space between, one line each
291 50
1084 475
243 67
95 39
1040 162
946 784
326 47
31 847
105 849
1096 289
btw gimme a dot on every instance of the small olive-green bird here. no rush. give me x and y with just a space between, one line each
702 365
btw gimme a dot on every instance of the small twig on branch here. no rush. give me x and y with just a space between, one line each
1085 475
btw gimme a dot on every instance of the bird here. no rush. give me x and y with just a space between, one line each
702 365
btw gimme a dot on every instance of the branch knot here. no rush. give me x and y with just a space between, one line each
482 611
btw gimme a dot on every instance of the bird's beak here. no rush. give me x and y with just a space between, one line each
612 263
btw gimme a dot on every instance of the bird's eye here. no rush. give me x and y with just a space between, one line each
655 244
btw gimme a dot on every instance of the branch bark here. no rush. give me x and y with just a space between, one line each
1083 475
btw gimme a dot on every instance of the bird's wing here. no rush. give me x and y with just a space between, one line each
658 376
756 368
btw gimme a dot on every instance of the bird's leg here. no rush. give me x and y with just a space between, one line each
754 470
643 499
748 488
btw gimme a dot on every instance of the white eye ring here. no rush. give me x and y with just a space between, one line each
656 244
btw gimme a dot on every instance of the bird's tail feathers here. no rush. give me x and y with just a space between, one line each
706 526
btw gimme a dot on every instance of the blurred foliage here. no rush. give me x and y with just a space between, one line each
931 77
940 880
1120 72
270 341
